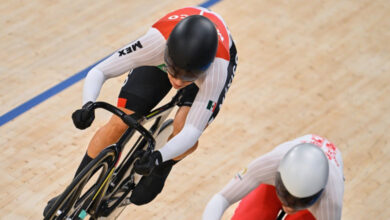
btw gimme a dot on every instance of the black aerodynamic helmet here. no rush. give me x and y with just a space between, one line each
191 47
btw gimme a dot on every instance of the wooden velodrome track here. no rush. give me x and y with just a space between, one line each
304 67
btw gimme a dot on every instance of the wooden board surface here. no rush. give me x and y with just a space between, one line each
304 67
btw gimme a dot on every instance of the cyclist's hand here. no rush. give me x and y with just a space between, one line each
147 162
83 118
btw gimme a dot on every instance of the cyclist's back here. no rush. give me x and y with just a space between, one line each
262 171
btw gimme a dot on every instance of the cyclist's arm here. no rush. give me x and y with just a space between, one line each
261 170
215 207
210 88
147 50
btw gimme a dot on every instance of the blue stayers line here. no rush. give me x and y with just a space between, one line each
208 3
44 95
61 86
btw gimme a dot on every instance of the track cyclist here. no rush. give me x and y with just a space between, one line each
189 49
299 179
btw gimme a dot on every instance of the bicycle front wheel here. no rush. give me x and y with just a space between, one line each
83 195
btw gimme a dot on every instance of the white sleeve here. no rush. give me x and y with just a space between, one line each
179 144
215 208
93 82
210 88
147 50
261 170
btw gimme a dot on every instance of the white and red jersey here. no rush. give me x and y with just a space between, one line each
263 171
148 50
166 24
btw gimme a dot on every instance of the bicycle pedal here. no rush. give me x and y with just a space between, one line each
125 202
124 188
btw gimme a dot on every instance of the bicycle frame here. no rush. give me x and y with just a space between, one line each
135 123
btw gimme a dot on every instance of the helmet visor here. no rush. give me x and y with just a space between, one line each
291 201
179 73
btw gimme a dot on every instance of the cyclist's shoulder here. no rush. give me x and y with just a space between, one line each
330 204
166 23
178 14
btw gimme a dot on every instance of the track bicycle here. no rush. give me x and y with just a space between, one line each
103 187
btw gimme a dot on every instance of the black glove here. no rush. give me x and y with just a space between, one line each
83 118
147 162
